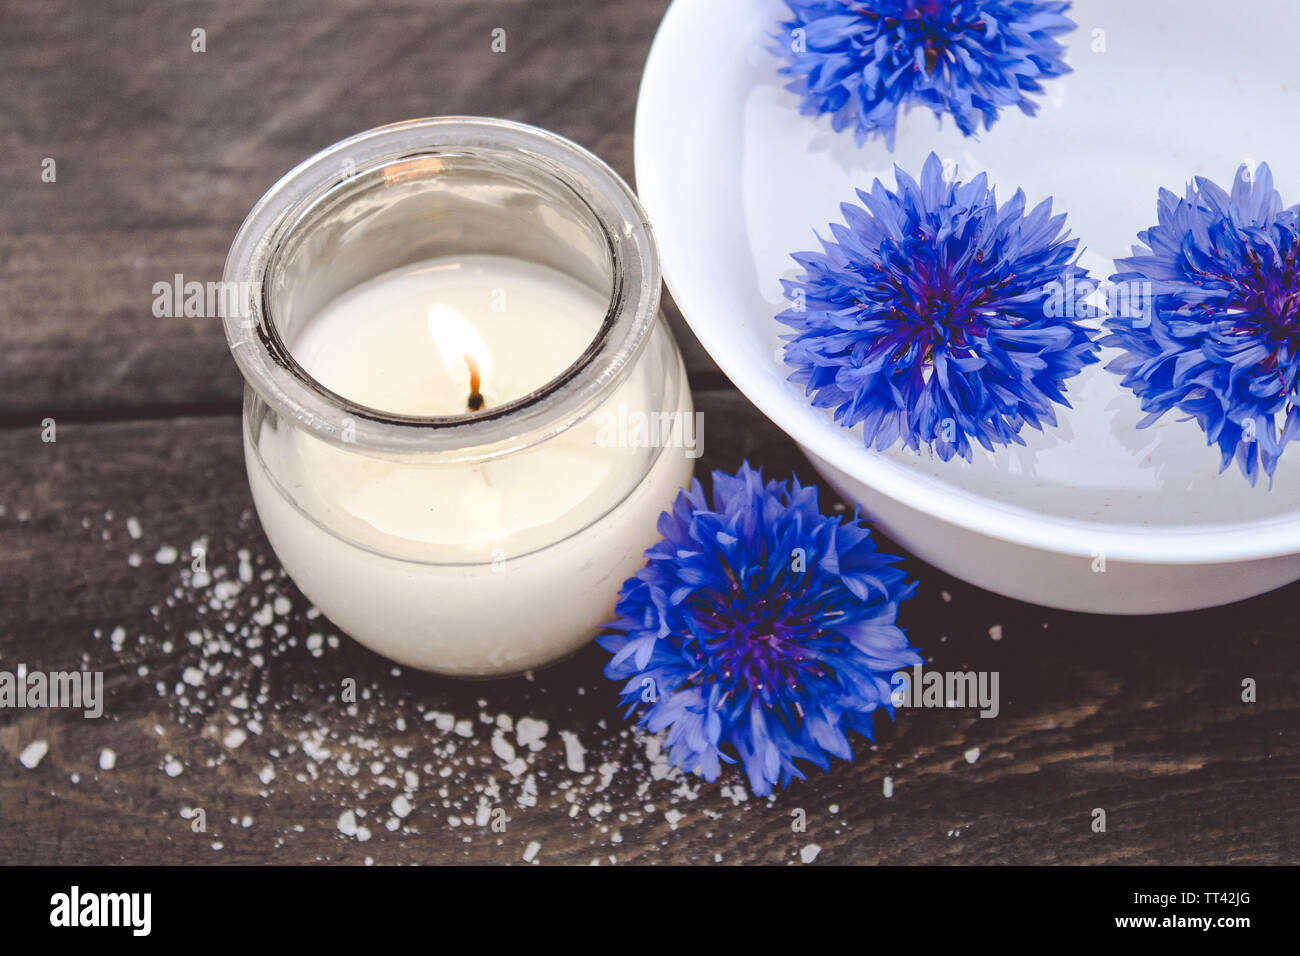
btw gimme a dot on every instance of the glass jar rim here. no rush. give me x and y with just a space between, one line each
270 370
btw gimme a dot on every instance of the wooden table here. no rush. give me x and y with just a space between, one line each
159 152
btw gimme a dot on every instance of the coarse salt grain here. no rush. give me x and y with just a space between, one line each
574 752
33 754
502 747
347 823
531 732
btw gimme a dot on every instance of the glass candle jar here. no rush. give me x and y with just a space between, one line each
462 413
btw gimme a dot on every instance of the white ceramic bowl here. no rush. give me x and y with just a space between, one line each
1094 515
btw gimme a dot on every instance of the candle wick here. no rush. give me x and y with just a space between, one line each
475 396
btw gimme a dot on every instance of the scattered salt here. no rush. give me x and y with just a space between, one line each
246 615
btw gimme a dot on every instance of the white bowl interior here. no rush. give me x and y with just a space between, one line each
735 179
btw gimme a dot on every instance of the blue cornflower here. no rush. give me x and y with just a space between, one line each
862 60
1222 335
759 630
937 316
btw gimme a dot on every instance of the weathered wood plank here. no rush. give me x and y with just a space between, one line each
1141 717
160 151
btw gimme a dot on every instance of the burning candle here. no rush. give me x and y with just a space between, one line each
451 313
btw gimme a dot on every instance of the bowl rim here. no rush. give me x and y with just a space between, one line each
1226 543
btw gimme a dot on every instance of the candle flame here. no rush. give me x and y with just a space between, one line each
463 352
475 384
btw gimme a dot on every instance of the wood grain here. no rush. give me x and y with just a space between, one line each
1141 717
160 152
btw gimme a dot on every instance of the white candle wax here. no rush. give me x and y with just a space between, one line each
471 569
